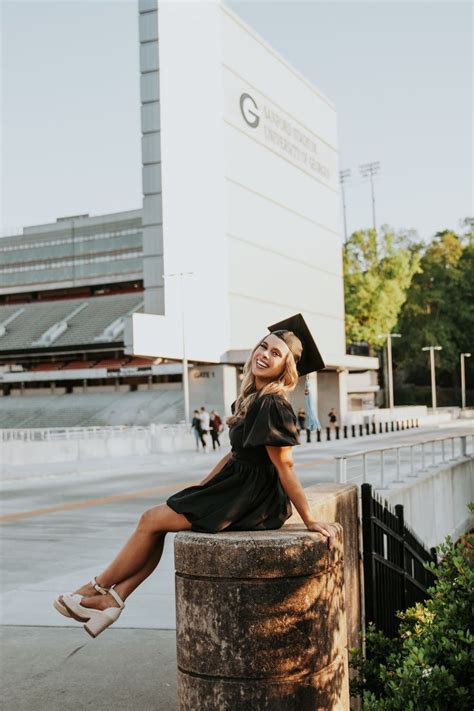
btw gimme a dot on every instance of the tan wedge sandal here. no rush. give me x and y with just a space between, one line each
96 621
58 604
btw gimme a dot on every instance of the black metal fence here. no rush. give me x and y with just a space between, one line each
394 574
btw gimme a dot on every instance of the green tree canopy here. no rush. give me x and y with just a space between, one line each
439 309
378 270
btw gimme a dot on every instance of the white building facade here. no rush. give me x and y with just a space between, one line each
241 193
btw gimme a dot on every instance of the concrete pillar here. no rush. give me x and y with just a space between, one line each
260 621
339 503
212 386
332 392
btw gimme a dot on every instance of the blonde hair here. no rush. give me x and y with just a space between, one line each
248 391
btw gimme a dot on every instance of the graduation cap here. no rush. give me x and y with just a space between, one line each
310 358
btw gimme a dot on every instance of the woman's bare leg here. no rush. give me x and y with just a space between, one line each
140 555
126 587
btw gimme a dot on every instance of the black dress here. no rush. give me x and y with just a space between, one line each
246 495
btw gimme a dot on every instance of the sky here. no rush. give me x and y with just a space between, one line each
399 73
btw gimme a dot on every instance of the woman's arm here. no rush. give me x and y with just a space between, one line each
283 461
220 464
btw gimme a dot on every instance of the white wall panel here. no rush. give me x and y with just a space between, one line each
254 166
255 61
151 117
150 86
149 60
250 319
151 148
279 279
148 26
277 228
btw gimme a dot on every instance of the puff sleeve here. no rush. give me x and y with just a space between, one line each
271 422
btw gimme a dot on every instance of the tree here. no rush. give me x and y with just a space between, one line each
378 270
439 309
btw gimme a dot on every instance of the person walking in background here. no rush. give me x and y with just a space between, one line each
196 428
301 417
332 418
204 419
216 428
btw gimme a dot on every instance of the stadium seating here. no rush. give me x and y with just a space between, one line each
92 409
37 318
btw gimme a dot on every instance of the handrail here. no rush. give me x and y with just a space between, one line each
341 460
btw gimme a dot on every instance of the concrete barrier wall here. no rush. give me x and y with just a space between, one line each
436 504
15 454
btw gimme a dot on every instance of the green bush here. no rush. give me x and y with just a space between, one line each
430 665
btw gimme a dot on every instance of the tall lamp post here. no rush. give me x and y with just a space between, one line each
180 275
389 337
463 380
432 349
369 170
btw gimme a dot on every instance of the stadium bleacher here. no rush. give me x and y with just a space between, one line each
37 318
92 409
66 291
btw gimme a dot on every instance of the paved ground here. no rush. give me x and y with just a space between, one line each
60 669
60 529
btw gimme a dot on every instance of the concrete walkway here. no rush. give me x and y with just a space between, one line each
61 669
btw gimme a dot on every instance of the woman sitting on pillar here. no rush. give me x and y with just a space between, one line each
250 489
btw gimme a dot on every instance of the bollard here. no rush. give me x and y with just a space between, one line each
345 431
353 430
392 426
260 621
417 423
337 432
361 431
403 424
367 428
398 426
318 435
374 428
386 427
308 435
328 433
380 428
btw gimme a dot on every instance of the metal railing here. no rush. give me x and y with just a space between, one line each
401 462
395 576
38 434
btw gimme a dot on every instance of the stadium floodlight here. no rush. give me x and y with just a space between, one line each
369 170
432 349
389 337
463 379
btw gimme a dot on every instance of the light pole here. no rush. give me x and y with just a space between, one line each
183 330
369 170
432 349
389 337
343 176
463 380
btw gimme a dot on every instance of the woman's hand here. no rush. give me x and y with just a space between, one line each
327 529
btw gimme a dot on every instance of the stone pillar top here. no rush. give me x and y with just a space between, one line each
291 551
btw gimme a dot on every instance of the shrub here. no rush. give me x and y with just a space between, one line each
430 665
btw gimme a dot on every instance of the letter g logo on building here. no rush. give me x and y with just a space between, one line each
249 110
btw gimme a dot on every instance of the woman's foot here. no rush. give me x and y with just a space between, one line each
89 589
99 602
92 611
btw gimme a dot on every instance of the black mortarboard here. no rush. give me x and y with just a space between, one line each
310 359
